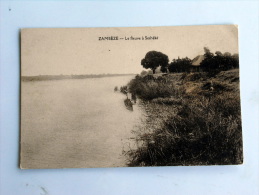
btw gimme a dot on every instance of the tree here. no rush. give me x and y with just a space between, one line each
235 58
208 64
218 53
227 54
208 54
219 62
154 59
180 65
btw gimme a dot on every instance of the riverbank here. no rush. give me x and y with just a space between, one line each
191 119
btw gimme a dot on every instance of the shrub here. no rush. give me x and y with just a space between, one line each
167 101
213 64
149 87
180 65
201 132
123 89
194 76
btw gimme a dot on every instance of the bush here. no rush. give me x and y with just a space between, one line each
123 89
167 101
194 76
213 64
149 87
201 132
219 87
180 65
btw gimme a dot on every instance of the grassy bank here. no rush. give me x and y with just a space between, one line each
191 119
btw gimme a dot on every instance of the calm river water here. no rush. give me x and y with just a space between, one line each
75 123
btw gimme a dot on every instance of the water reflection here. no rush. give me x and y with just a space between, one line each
128 104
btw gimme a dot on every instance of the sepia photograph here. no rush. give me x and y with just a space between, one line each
130 97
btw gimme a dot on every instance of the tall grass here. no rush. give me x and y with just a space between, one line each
187 129
149 87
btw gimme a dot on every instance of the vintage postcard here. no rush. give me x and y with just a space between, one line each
124 97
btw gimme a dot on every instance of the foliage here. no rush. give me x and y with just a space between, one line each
219 62
180 65
124 89
199 134
188 128
212 63
154 59
149 87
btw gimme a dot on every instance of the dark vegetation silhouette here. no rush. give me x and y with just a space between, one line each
212 63
128 104
154 59
124 89
180 65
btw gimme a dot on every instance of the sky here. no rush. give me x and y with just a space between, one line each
56 51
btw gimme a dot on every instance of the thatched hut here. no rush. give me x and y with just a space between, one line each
196 62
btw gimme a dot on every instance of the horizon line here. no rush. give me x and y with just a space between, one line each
77 74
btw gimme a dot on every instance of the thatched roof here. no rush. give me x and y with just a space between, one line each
197 60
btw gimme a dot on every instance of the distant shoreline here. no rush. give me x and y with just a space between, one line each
62 77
